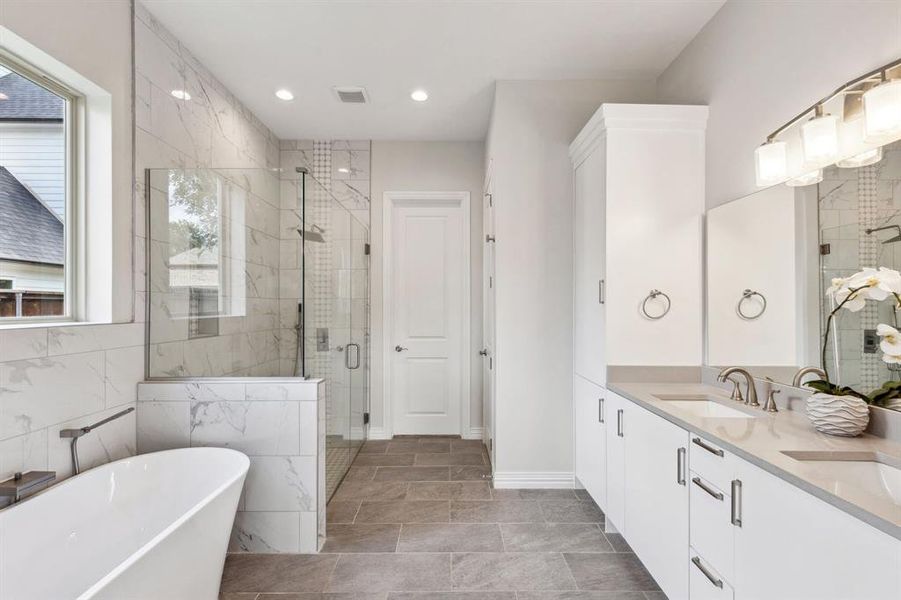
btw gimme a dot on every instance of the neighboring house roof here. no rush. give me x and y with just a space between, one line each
27 101
29 231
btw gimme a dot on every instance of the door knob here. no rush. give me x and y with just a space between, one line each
399 348
483 352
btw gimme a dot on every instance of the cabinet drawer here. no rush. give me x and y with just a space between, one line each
705 582
711 462
710 524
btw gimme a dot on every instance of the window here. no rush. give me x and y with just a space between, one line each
36 282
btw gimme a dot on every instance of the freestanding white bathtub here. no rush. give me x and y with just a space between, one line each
154 526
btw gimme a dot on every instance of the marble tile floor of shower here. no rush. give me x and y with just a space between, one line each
416 518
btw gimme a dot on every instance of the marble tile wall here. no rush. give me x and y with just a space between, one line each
54 378
852 201
211 130
278 423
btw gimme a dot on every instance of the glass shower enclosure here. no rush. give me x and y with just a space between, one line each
253 275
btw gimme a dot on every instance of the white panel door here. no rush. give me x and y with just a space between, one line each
657 498
590 434
427 305
489 346
588 286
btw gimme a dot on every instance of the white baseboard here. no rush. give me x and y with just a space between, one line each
475 433
533 480
378 433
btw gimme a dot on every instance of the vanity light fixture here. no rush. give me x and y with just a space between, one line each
419 95
180 94
882 109
870 157
806 179
814 139
284 94
819 136
770 160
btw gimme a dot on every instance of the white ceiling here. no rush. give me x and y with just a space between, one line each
454 49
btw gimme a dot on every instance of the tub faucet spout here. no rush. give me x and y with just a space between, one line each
80 431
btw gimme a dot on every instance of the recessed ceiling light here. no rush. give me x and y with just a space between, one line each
284 94
420 95
181 94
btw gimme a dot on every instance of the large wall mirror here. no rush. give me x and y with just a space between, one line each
772 256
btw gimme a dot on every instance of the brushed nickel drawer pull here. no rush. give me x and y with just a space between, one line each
680 466
601 410
736 502
717 582
619 422
697 481
707 447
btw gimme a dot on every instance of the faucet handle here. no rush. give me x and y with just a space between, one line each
736 390
770 404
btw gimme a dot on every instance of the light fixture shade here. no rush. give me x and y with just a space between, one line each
870 157
770 161
819 138
882 110
806 179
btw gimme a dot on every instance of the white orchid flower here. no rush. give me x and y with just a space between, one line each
891 339
838 283
879 283
892 359
858 299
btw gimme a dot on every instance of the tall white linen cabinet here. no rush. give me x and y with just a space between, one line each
639 203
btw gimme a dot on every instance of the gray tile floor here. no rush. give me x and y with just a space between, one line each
416 519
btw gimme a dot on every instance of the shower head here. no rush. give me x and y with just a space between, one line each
895 238
301 170
312 236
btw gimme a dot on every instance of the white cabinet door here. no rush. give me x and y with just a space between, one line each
657 497
590 434
588 285
793 545
615 510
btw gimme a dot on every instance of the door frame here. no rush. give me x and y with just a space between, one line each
390 200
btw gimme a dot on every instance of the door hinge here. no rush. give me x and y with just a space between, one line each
365 418
490 444
490 200
490 282
825 249
489 238
490 363
366 248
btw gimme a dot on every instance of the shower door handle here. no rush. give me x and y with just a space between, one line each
356 364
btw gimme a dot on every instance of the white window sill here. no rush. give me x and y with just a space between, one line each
49 324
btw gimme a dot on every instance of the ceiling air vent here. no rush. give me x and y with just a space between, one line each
351 95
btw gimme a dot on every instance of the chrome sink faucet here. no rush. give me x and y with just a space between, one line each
749 380
799 376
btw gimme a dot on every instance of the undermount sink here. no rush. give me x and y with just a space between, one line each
874 472
703 406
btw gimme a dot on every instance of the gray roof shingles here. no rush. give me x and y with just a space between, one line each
29 231
27 101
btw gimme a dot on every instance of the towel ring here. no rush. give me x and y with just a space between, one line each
653 296
747 295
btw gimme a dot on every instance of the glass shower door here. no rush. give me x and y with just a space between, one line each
358 360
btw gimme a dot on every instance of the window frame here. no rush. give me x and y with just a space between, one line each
72 132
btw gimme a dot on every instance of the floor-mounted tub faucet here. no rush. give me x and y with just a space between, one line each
80 431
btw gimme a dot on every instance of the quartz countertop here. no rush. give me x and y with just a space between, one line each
762 439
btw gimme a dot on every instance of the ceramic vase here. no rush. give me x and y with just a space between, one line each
846 416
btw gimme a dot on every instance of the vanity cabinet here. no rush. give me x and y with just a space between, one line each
638 180
793 545
710 525
591 437
647 493
656 497
615 509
